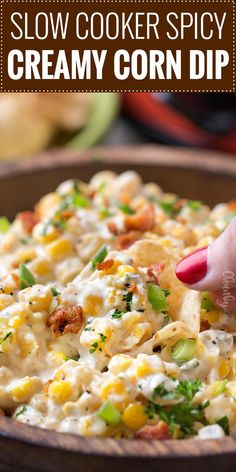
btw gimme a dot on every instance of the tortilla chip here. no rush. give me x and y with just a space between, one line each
184 304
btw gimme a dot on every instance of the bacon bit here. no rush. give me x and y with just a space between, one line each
46 386
105 265
113 228
67 214
143 220
15 278
92 194
66 320
204 325
154 270
125 198
159 431
28 220
132 287
124 241
232 205
179 204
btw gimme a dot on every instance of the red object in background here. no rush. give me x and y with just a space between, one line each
200 120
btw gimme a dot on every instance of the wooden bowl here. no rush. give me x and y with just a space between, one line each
210 177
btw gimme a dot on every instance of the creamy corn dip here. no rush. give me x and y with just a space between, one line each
97 335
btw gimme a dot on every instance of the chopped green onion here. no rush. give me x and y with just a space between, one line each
102 187
4 224
220 387
224 423
105 213
21 411
157 297
26 277
126 209
99 256
184 350
80 201
169 208
206 302
194 205
5 338
109 413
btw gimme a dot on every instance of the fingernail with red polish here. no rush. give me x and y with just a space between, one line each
193 267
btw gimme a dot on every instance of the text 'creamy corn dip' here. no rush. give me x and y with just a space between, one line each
97 335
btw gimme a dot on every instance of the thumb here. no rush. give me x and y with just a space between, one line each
213 267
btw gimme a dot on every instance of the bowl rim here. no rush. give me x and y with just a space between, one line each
184 158
212 162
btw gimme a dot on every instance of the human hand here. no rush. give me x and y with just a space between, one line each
213 268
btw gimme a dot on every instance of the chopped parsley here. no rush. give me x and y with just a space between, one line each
55 291
96 346
72 358
5 337
26 278
117 314
93 348
181 416
224 423
21 411
88 328
102 337
128 299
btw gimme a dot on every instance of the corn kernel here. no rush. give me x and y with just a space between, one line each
16 321
47 204
26 347
60 248
25 255
5 300
42 267
211 316
112 269
93 305
133 416
60 391
120 362
38 297
57 358
114 386
45 235
224 369
124 269
25 389
143 368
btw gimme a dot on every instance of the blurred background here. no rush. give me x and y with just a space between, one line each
33 122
